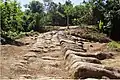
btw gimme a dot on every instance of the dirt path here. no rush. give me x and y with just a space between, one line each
39 59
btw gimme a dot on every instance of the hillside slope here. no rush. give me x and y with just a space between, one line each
44 57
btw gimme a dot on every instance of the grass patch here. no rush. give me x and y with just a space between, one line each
114 44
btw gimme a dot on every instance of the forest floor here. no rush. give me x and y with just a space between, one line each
41 58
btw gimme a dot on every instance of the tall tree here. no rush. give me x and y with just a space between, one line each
68 7
36 9
35 6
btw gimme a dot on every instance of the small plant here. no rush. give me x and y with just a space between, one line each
114 44
101 26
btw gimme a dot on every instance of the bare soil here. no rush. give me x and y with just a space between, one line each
46 65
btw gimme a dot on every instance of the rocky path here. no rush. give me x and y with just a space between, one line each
48 51
82 64
56 55
40 60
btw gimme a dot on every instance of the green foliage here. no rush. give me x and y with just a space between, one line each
10 18
109 13
68 9
67 14
35 6
14 22
101 26
114 44
83 14
56 14
35 14
76 22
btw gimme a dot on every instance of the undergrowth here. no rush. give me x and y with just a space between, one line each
114 45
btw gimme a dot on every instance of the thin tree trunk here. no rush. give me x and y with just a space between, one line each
67 22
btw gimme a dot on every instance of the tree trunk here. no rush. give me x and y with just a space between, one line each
67 22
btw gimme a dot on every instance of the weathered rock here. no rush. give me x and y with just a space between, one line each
37 47
98 55
40 41
55 48
40 36
72 58
54 32
48 36
61 35
47 41
73 47
31 59
45 50
67 41
89 70
54 38
56 43
23 61
49 58
82 64
25 77
29 55
36 50
18 66
76 39
92 79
